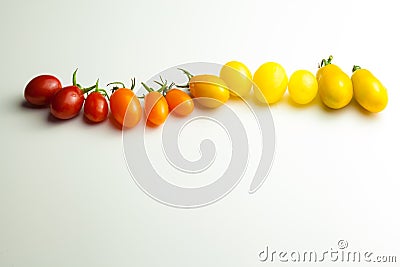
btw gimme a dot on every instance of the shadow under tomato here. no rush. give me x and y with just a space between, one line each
26 105
114 123
151 125
53 120
257 102
236 98
352 105
315 101
361 110
329 110
176 114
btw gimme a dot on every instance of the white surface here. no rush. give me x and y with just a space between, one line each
66 196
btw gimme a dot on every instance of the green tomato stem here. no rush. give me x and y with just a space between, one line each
329 61
88 89
97 85
84 90
355 67
133 83
117 83
148 89
326 62
74 78
188 75
101 90
115 87
104 93
164 87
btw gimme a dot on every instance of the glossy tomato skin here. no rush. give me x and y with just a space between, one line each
330 68
67 103
179 102
369 92
156 108
125 107
302 87
41 89
211 90
237 77
96 107
334 86
271 81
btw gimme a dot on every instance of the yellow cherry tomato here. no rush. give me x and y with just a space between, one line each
328 67
210 89
271 80
303 86
237 77
368 90
334 86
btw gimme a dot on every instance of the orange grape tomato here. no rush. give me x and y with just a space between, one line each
155 108
125 107
179 102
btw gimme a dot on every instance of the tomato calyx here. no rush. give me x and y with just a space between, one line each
164 87
325 62
355 67
188 75
155 104
122 85
84 90
102 91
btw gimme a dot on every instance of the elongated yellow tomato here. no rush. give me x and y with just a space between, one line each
303 86
210 89
271 80
330 68
237 77
326 66
334 86
368 90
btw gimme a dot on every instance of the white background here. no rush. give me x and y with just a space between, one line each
66 196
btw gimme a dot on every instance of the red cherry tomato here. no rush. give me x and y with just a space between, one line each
179 102
156 108
67 103
41 89
96 107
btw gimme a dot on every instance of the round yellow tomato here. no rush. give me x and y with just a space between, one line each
210 89
334 86
271 80
303 86
237 77
368 90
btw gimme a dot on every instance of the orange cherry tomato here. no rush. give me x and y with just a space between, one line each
155 108
179 102
125 107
